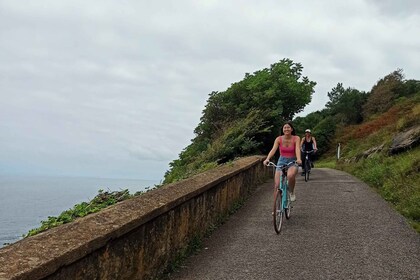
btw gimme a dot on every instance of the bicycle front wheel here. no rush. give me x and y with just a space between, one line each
307 168
288 208
278 212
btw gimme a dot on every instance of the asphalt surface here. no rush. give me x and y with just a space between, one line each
339 229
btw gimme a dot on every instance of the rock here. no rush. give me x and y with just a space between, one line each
373 150
405 140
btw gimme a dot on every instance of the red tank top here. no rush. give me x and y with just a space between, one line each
288 152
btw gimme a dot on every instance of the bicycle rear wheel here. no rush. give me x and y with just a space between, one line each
278 212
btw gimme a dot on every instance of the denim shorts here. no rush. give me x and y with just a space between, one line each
283 161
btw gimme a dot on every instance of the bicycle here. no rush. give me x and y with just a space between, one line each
282 204
307 167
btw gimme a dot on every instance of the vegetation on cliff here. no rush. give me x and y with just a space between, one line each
102 200
365 125
244 119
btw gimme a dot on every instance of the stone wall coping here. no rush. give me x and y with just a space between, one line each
41 255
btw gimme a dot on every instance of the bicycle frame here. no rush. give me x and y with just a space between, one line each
283 187
282 208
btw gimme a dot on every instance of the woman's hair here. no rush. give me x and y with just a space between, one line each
291 125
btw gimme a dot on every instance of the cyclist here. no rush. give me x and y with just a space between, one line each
308 143
288 145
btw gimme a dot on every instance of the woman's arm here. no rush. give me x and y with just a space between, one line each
273 150
297 150
315 146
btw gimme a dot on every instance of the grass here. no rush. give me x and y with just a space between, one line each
325 163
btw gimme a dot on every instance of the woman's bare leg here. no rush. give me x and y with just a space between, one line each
291 177
276 181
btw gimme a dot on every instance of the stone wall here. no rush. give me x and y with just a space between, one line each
137 238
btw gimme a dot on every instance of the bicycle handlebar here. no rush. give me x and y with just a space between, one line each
270 163
308 152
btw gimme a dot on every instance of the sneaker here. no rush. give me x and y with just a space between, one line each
292 197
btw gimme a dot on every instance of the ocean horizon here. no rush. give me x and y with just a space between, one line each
25 201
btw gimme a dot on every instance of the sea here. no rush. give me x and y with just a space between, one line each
26 201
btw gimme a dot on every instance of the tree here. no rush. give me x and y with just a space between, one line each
309 121
410 87
383 94
346 104
325 131
243 119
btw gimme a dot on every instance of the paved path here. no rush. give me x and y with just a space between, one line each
339 229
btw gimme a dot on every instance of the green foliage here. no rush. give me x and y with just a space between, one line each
346 104
409 88
349 107
279 92
377 171
383 94
324 132
236 139
244 119
309 121
100 201
411 114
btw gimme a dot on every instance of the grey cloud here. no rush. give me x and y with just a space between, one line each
401 8
123 85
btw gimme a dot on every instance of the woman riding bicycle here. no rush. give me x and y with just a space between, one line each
308 143
288 144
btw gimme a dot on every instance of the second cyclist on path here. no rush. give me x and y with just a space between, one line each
288 144
308 143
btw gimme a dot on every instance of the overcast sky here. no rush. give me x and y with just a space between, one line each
115 89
